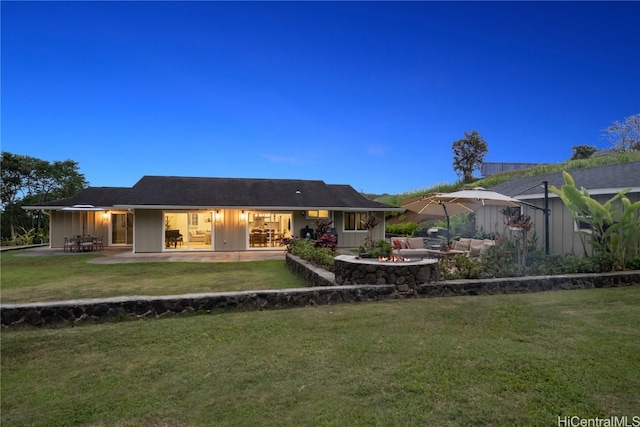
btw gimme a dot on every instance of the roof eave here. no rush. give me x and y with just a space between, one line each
593 192
280 208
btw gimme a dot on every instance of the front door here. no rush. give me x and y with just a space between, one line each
122 228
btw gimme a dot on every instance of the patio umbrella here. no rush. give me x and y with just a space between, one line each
439 205
463 201
482 197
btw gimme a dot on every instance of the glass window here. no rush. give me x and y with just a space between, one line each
353 221
583 224
318 214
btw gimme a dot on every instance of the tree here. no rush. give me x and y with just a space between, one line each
582 151
30 181
468 154
625 135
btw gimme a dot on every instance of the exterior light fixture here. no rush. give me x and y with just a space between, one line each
242 217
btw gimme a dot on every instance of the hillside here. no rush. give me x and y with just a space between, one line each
624 157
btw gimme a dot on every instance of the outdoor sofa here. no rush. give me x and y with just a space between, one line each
415 246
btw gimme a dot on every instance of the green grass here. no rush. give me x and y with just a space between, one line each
500 360
47 278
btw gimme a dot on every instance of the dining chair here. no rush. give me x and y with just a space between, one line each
69 244
86 243
97 243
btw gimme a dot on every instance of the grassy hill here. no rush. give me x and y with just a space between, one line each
624 157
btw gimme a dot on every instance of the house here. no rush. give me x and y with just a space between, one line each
171 213
602 182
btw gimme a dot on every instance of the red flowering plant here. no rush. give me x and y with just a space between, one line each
325 239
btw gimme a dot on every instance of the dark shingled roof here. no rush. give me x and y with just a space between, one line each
225 192
610 177
97 196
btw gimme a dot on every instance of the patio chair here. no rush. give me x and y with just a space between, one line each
86 243
97 243
70 244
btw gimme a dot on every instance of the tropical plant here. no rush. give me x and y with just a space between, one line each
519 225
326 241
614 237
323 225
369 224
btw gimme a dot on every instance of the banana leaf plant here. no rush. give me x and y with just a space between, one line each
615 224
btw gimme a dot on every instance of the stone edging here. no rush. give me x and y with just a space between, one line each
323 291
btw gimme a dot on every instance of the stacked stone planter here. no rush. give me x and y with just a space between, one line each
351 270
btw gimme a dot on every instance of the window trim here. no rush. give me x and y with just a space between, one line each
581 226
359 216
318 213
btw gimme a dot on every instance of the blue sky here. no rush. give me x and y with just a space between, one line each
370 94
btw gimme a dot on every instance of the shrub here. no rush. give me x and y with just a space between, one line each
326 241
634 263
460 267
404 228
381 248
307 250
500 260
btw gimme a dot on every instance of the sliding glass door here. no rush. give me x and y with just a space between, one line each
267 229
121 228
187 230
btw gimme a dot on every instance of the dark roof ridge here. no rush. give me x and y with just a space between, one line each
233 178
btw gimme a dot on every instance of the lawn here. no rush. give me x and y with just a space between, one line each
50 278
494 360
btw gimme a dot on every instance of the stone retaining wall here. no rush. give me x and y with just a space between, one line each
350 270
312 276
523 285
121 308
141 307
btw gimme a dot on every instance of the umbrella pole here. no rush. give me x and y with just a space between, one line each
447 216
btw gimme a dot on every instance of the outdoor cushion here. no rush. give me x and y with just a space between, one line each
464 244
396 244
415 243
475 247
486 245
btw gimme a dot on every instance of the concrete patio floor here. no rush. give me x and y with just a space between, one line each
125 255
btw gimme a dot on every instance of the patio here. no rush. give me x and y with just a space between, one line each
111 255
